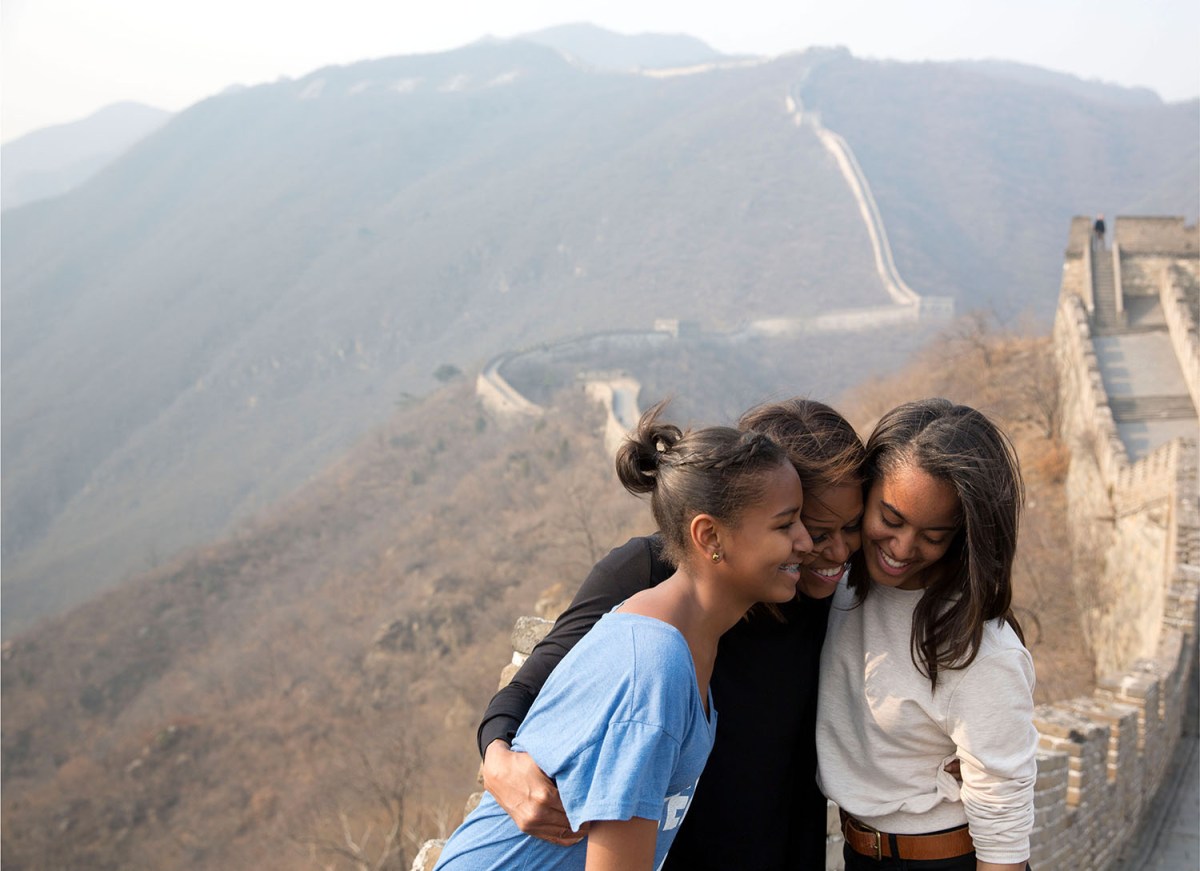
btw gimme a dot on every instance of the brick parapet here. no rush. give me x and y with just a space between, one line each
1156 235
1175 286
1088 422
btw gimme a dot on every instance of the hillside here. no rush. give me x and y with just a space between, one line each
227 307
333 657
52 161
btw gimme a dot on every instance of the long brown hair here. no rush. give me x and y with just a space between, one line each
960 446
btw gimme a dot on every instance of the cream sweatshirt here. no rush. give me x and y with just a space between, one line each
883 736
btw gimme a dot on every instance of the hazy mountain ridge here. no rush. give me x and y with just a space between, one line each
604 49
1042 78
53 160
296 257
959 166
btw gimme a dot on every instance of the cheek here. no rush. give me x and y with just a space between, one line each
873 529
854 540
934 552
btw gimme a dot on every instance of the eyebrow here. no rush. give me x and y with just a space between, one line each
892 508
787 511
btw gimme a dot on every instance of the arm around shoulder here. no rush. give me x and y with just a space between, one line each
628 569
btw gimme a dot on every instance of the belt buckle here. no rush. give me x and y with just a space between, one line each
878 844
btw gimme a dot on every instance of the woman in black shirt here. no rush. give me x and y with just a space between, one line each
757 807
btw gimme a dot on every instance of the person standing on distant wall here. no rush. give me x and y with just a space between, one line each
1098 231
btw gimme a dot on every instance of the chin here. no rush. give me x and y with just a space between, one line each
815 591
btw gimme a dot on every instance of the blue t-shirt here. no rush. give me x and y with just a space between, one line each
620 729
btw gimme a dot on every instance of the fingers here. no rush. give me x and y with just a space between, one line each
527 795
954 769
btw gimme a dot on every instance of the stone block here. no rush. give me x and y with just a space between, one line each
833 820
506 675
473 801
834 861
428 855
1049 762
527 632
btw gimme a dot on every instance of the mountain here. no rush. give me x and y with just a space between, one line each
53 160
1049 80
192 332
976 174
604 49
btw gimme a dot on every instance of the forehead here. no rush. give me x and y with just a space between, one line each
835 505
922 499
781 488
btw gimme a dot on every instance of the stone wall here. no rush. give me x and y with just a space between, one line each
1179 298
1136 545
1161 235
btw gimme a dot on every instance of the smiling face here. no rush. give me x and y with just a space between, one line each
833 517
762 553
910 521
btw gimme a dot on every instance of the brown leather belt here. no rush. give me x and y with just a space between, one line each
867 841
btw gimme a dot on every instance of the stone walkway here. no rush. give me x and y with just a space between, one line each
1170 836
1141 369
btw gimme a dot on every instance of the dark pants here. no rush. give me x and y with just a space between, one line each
858 862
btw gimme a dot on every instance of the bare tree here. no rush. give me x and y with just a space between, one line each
364 826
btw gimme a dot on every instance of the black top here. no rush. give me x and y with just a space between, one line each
757 806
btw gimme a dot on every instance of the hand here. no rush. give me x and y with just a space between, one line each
954 769
527 795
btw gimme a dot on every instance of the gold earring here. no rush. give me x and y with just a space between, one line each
716 557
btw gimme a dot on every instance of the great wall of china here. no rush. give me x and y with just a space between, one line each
1128 357
502 399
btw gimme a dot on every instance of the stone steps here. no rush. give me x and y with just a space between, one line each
1104 292
1129 409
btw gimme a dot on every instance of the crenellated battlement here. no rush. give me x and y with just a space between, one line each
1135 533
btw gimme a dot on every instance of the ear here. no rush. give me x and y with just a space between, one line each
705 534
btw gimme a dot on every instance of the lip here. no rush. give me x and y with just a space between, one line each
831 580
890 571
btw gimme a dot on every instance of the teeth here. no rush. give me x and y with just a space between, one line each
834 572
891 563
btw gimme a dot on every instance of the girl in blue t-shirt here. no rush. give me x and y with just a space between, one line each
625 723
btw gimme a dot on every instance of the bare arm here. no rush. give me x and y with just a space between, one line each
993 866
622 845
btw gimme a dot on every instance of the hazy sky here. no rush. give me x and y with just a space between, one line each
63 59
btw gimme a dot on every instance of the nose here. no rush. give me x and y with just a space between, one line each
801 542
903 545
838 549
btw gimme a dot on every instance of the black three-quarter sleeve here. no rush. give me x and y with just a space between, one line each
634 566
